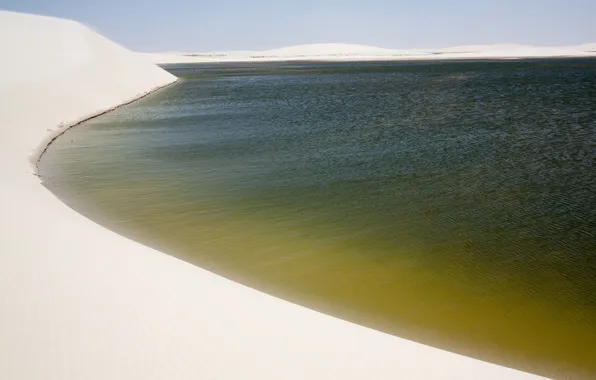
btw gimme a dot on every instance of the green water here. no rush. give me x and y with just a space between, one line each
452 203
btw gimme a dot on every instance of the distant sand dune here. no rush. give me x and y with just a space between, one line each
347 52
332 49
479 48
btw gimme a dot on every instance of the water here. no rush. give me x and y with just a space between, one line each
452 203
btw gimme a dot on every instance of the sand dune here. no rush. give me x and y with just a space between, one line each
587 47
331 49
479 48
80 302
347 52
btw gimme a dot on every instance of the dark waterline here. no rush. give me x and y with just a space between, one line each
452 203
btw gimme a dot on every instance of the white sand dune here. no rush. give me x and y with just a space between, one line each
510 52
315 51
80 302
479 48
347 52
332 49
587 47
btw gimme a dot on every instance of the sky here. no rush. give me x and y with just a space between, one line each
222 25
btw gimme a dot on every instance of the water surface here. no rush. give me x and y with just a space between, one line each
452 203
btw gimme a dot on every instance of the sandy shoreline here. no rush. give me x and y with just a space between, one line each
81 302
53 134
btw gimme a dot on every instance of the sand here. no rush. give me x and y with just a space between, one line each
78 301
347 52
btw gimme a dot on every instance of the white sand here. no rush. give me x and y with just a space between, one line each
478 48
332 49
347 52
587 47
80 302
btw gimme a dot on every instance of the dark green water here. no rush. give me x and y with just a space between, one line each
452 203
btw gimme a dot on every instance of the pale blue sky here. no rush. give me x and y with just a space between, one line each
187 25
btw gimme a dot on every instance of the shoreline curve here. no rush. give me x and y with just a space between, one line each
54 134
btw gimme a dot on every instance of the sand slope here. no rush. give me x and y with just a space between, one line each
80 302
